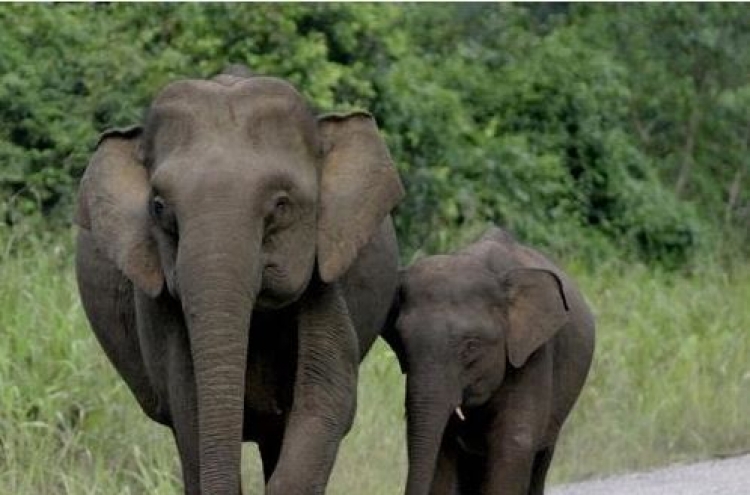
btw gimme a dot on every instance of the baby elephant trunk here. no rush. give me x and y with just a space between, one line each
429 407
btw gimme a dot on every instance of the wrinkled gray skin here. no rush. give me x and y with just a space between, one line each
236 259
501 333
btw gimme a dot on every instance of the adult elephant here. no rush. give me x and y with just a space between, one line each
236 260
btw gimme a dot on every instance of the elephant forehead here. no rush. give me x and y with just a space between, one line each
448 280
445 323
195 90
266 111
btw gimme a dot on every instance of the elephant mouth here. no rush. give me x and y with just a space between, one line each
276 292
468 433
269 301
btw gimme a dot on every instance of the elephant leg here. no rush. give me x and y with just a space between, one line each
325 393
187 446
446 472
168 359
186 437
509 468
470 470
521 416
269 446
542 463
184 407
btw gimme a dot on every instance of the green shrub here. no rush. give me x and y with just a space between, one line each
589 129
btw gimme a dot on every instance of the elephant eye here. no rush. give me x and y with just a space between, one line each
157 207
282 205
280 214
470 350
163 215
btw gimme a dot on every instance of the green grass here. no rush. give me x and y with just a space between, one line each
671 374
671 381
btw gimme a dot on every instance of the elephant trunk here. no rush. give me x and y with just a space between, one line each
219 282
429 406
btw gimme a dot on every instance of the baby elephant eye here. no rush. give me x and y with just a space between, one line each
282 205
470 350
157 207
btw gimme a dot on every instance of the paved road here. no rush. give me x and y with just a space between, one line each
720 477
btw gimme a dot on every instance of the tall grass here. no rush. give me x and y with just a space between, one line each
671 375
671 381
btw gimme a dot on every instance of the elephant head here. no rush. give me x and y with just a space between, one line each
230 198
461 322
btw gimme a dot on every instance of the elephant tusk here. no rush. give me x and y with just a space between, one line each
460 414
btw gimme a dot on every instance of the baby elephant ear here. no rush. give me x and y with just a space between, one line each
359 187
113 204
537 309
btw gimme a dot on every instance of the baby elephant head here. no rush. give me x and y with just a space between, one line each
459 325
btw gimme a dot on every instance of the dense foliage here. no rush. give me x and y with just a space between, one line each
593 130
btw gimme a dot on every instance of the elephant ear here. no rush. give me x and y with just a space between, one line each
113 204
359 187
537 309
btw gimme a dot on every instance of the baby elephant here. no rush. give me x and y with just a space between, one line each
496 343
